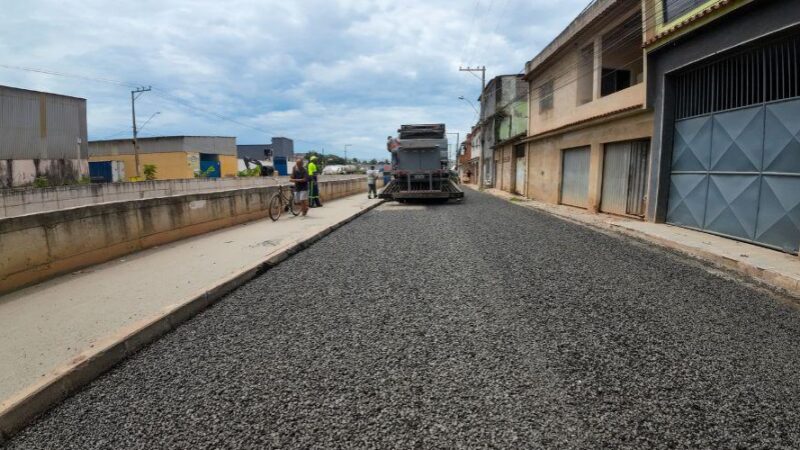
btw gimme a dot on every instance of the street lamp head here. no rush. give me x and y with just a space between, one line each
461 97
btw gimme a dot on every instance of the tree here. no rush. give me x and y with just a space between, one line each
373 161
326 160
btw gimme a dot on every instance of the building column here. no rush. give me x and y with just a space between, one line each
595 177
597 75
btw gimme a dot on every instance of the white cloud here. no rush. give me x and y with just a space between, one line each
325 73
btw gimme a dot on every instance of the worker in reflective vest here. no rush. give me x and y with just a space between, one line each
313 188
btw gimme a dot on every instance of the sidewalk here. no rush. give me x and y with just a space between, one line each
48 329
777 269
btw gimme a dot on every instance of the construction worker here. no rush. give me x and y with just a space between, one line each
313 192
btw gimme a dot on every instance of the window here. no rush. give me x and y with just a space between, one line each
621 59
676 8
519 151
546 96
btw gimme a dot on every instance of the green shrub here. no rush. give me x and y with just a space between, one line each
41 182
252 172
150 172
208 172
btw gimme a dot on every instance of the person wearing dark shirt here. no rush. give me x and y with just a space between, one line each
300 180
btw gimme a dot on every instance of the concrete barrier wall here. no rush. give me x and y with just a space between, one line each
16 202
36 247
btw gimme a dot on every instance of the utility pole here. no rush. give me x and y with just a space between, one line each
458 137
481 69
345 152
134 95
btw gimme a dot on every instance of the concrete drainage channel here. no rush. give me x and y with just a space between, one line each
82 370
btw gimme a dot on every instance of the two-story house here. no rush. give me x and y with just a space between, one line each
723 81
589 131
510 128
503 123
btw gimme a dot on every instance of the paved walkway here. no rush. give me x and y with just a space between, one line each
772 267
48 326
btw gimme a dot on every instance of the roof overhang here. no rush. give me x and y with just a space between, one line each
589 15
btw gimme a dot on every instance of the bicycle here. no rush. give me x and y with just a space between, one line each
282 201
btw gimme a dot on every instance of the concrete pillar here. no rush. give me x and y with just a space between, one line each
595 177
598 67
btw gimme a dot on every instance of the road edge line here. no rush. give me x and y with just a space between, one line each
31 403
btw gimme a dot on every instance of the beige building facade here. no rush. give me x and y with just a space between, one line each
589 131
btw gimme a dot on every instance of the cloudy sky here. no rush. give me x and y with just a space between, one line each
325 73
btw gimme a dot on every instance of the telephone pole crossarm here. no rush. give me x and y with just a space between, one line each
481 69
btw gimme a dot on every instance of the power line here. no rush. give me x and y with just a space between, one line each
488 10
471 29
164 95
623 39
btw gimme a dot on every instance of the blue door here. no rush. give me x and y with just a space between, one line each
280 165
204 168
100 172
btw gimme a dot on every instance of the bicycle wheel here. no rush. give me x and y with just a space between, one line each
293 207
275 207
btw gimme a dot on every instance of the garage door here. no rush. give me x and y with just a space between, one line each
736 147
624 177
575 177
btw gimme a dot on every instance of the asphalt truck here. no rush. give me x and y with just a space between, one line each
420 165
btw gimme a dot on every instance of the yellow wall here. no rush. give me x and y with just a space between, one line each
654 20
228 165
169 166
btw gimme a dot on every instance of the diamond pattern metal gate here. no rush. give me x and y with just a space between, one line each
736 145
737 173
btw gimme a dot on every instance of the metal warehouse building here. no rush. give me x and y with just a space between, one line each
280 147
175 157
41 135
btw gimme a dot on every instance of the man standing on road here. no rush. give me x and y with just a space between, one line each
372 179
313 189
300 180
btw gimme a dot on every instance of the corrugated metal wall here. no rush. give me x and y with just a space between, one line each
575 177
37 125
208 144
168 144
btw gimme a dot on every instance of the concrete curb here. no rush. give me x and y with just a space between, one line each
761 276
26 406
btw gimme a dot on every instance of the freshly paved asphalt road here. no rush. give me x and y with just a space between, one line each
469 325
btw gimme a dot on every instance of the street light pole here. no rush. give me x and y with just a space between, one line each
345 152
139 91
477 113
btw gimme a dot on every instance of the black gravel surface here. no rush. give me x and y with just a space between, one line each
482 324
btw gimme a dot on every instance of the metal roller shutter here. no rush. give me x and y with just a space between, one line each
575 177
